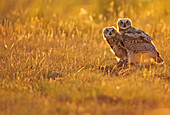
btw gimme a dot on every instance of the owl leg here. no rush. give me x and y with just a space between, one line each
123 61
120 62
131 59
126 60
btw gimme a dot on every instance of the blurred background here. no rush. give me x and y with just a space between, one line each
96 10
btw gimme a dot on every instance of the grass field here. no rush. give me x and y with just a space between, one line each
53 59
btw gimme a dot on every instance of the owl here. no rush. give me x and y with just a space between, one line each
137 42
114 40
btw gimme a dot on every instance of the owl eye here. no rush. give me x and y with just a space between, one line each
113 31
127 23
121 22
106 30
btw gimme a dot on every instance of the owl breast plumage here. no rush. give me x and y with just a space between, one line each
114 40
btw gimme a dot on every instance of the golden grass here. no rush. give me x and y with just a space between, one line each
57 65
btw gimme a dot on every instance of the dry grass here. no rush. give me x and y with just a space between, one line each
58 65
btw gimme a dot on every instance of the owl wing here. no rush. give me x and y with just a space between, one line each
132 43
140 34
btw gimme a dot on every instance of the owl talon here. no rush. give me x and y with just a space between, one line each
122 63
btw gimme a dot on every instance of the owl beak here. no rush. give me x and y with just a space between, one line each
124 25
110 33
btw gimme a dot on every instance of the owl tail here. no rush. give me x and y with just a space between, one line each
158 59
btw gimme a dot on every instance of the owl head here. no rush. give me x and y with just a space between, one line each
124 24
109 32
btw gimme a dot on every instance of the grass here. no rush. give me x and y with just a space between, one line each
57 65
